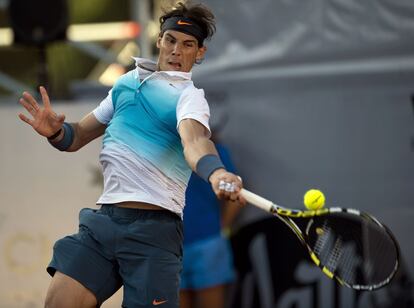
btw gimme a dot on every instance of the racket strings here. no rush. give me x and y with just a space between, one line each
357 250
335 256
374 249
379 254
322 240
327 248
349 263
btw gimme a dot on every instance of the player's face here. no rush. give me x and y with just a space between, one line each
178 51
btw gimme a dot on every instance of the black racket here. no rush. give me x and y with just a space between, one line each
350 246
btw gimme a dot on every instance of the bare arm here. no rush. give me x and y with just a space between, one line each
86 130
195 140
46 122
196 143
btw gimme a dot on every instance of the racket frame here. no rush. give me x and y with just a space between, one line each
286 215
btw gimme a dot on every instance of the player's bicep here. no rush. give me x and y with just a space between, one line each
190 130
195 140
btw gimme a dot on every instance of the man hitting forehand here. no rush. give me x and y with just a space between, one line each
155 130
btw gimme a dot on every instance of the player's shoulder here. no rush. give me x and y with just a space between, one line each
189 89
127 79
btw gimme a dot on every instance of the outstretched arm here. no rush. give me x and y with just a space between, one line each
196 143
49 124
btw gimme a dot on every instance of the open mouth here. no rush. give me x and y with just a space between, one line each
175 65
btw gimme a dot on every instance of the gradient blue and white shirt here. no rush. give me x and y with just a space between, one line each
142 155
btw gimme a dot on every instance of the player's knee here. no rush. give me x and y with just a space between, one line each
65 292
54 301
51 301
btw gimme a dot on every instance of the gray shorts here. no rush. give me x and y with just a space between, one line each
139 249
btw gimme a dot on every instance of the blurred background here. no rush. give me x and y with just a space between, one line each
306 94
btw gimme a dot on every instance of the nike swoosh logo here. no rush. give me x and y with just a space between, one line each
157 302
183 23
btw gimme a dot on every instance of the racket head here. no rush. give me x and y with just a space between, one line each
353 247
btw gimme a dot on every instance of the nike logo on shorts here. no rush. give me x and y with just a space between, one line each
156 302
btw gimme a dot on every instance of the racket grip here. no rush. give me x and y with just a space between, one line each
256 200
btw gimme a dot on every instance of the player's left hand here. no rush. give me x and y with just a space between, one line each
227 185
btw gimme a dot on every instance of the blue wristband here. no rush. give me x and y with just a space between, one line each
67 139
207 164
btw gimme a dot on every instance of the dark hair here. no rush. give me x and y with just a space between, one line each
198 13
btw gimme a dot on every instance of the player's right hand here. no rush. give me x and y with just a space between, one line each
45 121
227 185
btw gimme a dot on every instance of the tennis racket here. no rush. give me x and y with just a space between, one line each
349 246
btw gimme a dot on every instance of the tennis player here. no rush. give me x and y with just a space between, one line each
155 126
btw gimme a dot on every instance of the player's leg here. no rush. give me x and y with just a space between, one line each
211 297
186 299
208 269
150 258
83 266
66 292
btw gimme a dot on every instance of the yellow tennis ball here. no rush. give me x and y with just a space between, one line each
314 199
